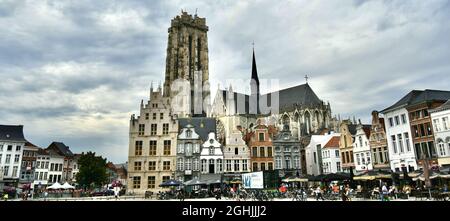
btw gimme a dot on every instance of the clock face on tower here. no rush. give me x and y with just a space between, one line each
220 132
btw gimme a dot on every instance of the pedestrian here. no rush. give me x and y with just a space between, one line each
385 193
5 196
319 193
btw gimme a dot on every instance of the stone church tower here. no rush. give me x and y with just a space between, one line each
187 58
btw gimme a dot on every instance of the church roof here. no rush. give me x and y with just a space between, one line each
203 125
297 95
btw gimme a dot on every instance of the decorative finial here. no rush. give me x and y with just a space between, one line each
253 44
306 78
195 11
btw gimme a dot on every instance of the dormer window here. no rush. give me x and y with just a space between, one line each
189 133
211 141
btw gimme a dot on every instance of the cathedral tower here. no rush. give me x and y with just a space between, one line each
187 55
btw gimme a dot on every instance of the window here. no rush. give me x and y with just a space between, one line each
18 148
297 162
255 167
338 166
270 166
397 121
165 129
161 116
351 157
166 165
236 165
418 114
418 151
219 166
1 158
8 158
137 166
269 151
236 151
315 157
400 143
441 148
394 144
261 152
263 166
244 165
254 151
151 165
167 147
277 162
261 136
425 113
204 166
16 158
445 123
437 125
151 182
422 130
153 129
152 148
429 130
141 129
147 116
5 171
188 147
138 148
360 141
165 178
136 182
211 150
196 148
391 122
228 165
14 173
188 164
196 164
358 159
336 153
9 148
408 146
403 119
46 165
154 116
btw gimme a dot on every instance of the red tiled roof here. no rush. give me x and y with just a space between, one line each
333 142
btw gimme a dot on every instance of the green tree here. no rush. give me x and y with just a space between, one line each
92 170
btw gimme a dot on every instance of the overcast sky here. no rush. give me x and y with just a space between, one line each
74 71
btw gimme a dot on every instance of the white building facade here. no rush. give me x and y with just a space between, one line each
331 159
211 156
398 134
12 143
313 152
440 118
361 149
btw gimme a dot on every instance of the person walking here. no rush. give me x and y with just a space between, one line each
319 193
385 193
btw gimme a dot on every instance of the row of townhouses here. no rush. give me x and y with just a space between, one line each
23 163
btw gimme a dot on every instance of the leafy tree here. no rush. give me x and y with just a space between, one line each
92 170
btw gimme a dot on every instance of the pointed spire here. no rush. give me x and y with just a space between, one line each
254 71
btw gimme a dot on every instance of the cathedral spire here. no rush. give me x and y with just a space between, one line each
254 71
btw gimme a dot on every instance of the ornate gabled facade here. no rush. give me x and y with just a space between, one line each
378 143
152 146
361 148
236 156
288 153
188 154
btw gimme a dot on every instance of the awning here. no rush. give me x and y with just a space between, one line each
194 182
373 175
171 183
55 186
66 185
